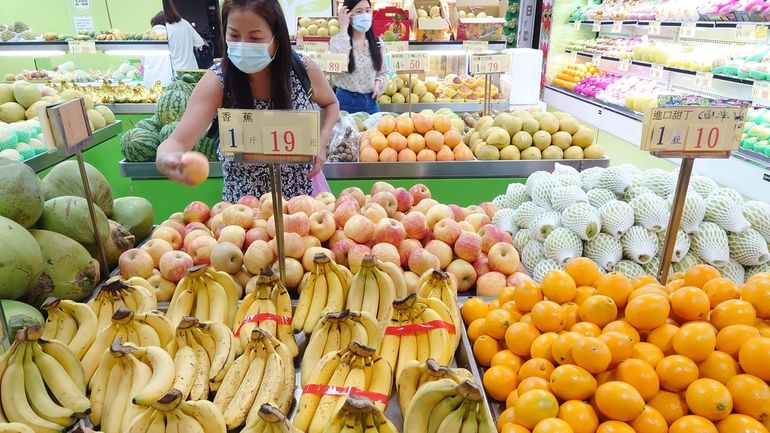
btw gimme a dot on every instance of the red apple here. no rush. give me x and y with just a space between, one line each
341 249
420 261
255 233
219 207
259 255
336 237
238 215
322 225
416 225
381 186
174 265
399 216
389 231
310 241
309 256
464 273
179 227
294 272
478 220
447 230
459 212
481 265
503 258
195 167
437 213
298 223
468 246
200 249
404 199
178 217
440 250
188 240
356 193
236 235
301 203
326 198
266 206
356 256
420 192
490 284
490 235
135 263
345 211
196 211
490 208
196 226
374 212
405 249
467 227
387 200
169 235
360 229
156 248
164 289
250 201
386 253
292 245
429 237
227 257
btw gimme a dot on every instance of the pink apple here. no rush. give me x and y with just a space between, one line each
164 289
260 223
464 273
156 248
490 284
179 227
420 192
136 263
374 212
322 225
266 206
447 230
386 253
507 238
416 225
250 201
437 213
356 256
398 216
345 211
292 245
219 207
424 205
301 203
474 209
193 235
174 265
294 272
310 241
467 227
481 265
477 220
195 226
503 258
200 249
381 186
326 198
387 200
259 255
440 250
468 246
458 211
236 235
404 199
297 223
336 237
239 215
343 199
309 256
178 217
420 261
227 257
169 235
490 235
360 229
412 280
389 231
216 221
196 211
265 197
517 278
429 237
490 208
354 192
405 249
341 249
255 233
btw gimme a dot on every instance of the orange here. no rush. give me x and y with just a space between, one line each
535 406
484 349
650 421
396 141
536 367
519 337
605 377
583 271
614 427
476 329
695 340
434 140
736 423
561 349
531 383
441 123
640 375
369 154
751 396
388 155
508 359
731 338
753 357
692 424
506 295
647 311
427 155
548 316
552 425
648 352
649 289
541 347
663 337
387 124
570 382
445 154
579 415
499 381
415 142
474 308
510 307
513 428
733 312
622 327
422 123
756 291
721 289
511 399
709 399
558 286
497 322
598 309
586 328
452 138
674 284
643 280
582 293
592 354
506 418
621 346
718 366
494 304
407 155
615 285
404 125
676 372
699 275
619 401
527 293
571 314
690 303
671 405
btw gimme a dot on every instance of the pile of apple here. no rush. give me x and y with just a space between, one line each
405 227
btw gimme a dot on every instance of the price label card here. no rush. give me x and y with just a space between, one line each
692 129
269 134
597 26
624 64
490 63
334 63
596 59
761 33
617 26
476 46
409 62
653 28
82 47
760 90
576 25
663 137
704 79
687 30
656 71
315 47
745 32
397 47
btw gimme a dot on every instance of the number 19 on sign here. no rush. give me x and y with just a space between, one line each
279 141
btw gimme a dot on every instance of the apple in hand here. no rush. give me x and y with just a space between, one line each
195 167
503 258
464 273
389 231
174 265
322 225
226 257
136 263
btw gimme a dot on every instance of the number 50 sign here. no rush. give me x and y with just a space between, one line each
269 135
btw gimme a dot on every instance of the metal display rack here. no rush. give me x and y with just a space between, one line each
48 160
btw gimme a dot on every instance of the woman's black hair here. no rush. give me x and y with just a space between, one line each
237 92
170 13
158 20
374 42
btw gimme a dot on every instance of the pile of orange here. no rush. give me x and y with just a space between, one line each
585 352
415 138
572 74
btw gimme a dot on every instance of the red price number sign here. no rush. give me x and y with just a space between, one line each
270 132
409 62
690 129
334 63
279 141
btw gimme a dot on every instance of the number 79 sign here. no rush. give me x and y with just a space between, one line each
269 134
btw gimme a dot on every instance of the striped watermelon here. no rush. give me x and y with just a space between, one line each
139 145
151 124
166 131
171 106
207 147
182 86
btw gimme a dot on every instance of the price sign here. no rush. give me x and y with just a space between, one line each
692 129
596 59
397 46
656 71
761 33
653 28
760 90
597 26
315 47
333 63
82 47
624 64
617 26
576 25
704 79
687 30
408 62
476 46
745 32
269 134
490 63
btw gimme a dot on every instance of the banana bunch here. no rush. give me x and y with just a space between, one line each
372 290
42 383
436 283
14 427
444 406
323 289
357 368
416 374
70 322
202 352
271 420
151 328
206 294
264 373
135 293
335 331
407 338
127 379
269 300
359 414
171 414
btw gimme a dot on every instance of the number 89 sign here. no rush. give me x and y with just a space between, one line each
269 133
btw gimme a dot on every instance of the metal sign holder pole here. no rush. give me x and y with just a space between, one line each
276 191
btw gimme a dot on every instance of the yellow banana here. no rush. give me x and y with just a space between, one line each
374 333
451 422
224 353
231 289
162 375
218 308
282 301
38 396
14 400
371 301
67 392
471 422
420 411
270 386
232 380
14 427
396 275
329 367
187 423
333 338
386 294
141 423
207 415
202 307
423 342
200 388
112 420
336 298
182 302
68 361
315 348
324 410
160 323
320 294
141 377
382 379
236 410
305 299
184 367
99 383
87 326
356 291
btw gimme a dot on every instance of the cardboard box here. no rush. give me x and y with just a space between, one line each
391 24
312 33
482 29
493 8
438 23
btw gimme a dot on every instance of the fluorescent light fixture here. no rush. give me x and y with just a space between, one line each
135 52
31 53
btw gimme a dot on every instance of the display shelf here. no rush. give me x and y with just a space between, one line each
129 108
131 46
148 170
33 48
47 160
457 107
700 24
442 45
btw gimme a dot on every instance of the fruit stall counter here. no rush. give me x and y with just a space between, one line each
47 160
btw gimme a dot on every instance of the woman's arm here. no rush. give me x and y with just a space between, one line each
201 109
330 111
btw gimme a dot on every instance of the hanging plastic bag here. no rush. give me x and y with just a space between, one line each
320 184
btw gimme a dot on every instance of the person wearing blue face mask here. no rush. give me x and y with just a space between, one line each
359 88
258 71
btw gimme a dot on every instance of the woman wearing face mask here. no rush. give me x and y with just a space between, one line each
258 71
359 88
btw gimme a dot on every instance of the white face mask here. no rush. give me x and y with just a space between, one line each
249 57
362 22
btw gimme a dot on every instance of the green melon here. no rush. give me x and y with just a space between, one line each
151 124
139 145
208 147
166 131
171 106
